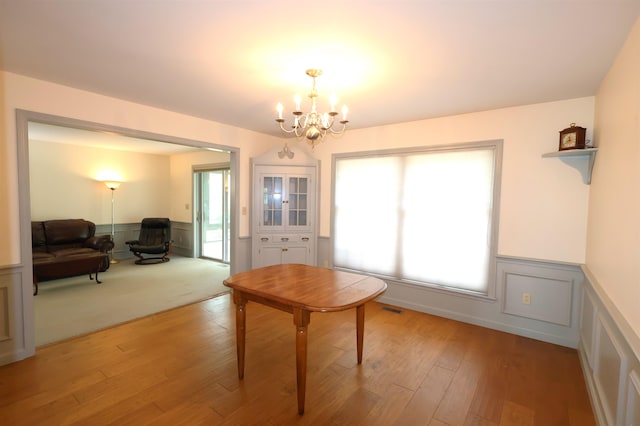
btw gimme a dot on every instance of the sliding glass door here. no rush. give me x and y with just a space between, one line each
213 214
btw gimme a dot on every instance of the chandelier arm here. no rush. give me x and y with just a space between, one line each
281 122
298 131
338 132
330 122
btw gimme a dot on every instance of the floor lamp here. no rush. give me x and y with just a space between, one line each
113 185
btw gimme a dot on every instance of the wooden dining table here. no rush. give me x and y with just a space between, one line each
300 290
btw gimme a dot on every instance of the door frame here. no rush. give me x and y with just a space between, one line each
23 117
197 203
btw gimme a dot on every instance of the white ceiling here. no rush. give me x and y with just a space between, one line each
104 140
389 60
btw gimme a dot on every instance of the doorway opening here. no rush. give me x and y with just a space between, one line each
24 121
212 213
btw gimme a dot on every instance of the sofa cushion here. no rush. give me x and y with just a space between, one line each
37 255
150 249
68 231
72 251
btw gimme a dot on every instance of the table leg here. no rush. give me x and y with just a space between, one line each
91 276
360 331
301 319
241 303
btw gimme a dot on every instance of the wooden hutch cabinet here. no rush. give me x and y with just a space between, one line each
284 213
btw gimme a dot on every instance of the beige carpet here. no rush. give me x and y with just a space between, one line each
73 306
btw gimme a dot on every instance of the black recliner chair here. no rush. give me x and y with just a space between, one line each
154 239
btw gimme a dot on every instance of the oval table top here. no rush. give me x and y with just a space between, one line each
308 287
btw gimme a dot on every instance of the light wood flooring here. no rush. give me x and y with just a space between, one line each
179 367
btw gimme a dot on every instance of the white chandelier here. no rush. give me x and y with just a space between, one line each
314 125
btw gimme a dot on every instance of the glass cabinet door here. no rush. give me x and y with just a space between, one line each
272 192
298 201
286 202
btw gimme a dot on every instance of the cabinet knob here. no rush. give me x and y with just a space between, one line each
264 239
285 249
305 238
284 239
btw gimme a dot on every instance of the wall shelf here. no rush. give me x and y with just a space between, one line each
589 153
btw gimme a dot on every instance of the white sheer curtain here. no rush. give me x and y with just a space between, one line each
422 217
366 214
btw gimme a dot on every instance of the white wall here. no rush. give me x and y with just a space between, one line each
64 181
613 249
544 201
19 92
543 211
9 251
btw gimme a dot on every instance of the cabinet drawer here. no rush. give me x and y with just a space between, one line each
283 238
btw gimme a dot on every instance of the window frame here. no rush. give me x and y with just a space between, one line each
497 147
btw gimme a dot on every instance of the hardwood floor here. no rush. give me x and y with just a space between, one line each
179 367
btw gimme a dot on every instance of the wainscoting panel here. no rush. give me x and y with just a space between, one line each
609 352
6 310
182 236
633 400
490 313
610 371
241 256
324 251
122 232
549 299
587 329
14 328
553 315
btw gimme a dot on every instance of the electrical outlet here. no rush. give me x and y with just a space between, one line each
526 298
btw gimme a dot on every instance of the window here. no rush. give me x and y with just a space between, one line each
426 216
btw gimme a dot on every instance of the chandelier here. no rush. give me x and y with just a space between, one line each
314 125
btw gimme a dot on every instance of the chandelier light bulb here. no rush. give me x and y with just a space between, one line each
345 110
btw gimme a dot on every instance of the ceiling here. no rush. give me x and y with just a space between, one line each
103 140
390 61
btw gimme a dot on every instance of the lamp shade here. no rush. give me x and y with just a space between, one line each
112 184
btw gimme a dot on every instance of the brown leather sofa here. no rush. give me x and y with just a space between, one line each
68 243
